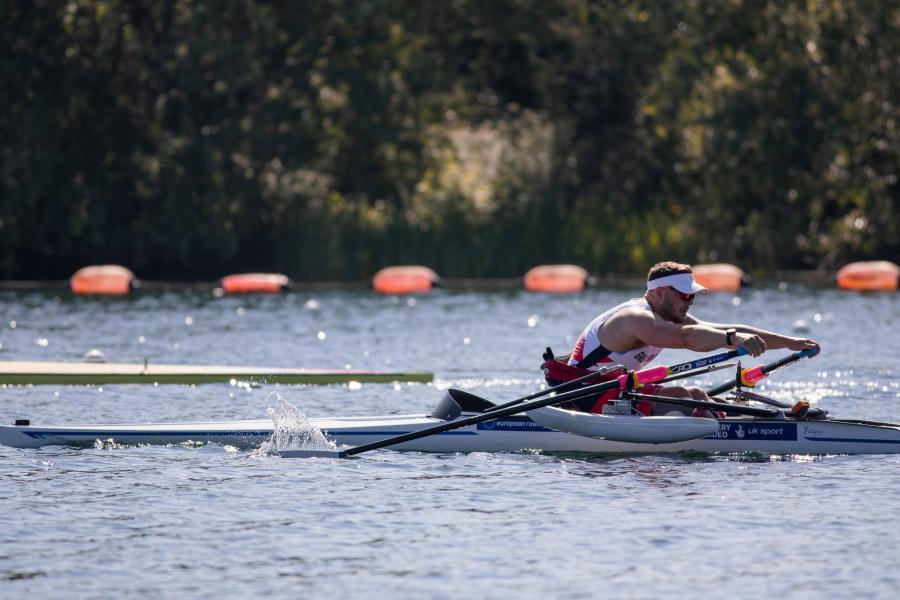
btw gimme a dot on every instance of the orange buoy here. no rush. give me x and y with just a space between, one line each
869 276
107 280
556 278
404 280
719 277
255 283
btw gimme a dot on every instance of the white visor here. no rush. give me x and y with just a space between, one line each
683 282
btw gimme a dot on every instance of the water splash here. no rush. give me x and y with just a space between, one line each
293 430
112 444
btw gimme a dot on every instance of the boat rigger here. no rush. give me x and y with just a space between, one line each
46 372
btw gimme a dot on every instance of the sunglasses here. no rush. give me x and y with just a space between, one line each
682 295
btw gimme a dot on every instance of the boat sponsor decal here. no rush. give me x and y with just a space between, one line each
684 367
811 432
769 430
854 440
512 424
815 433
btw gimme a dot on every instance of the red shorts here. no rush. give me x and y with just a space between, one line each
643 406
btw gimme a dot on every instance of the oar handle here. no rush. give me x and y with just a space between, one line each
808 353
765 369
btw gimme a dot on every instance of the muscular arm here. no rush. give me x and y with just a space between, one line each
631 329
772 340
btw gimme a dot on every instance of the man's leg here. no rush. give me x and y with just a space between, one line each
693 393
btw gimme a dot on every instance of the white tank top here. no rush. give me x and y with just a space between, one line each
588 341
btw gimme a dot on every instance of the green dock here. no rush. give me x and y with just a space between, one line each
81 373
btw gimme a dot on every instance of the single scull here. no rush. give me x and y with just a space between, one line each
514 433
462 422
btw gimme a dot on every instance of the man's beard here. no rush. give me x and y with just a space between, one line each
674 316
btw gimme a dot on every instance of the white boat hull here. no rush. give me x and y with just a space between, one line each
507 434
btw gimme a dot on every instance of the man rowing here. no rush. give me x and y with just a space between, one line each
633 333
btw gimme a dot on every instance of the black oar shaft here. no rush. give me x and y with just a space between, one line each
764 399
791 358
720 389
700 371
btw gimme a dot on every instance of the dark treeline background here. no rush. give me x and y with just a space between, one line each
326 139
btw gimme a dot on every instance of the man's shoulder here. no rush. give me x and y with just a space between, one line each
633 313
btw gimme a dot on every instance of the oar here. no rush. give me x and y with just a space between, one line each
631 379
732 408
745 395
679 368
694 366
750 376
700 371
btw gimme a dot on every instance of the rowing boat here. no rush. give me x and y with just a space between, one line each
463 422
513 433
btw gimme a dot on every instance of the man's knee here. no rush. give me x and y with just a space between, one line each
698 393
661 408
675 392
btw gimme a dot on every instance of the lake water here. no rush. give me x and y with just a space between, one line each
209 521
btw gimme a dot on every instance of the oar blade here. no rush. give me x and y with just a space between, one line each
312 453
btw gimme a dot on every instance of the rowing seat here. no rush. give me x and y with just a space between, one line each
557 372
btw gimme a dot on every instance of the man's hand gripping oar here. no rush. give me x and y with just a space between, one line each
630 380
751 376
745 377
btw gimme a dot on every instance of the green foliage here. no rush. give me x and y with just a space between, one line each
327 139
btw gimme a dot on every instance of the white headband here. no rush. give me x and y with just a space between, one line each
683 282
